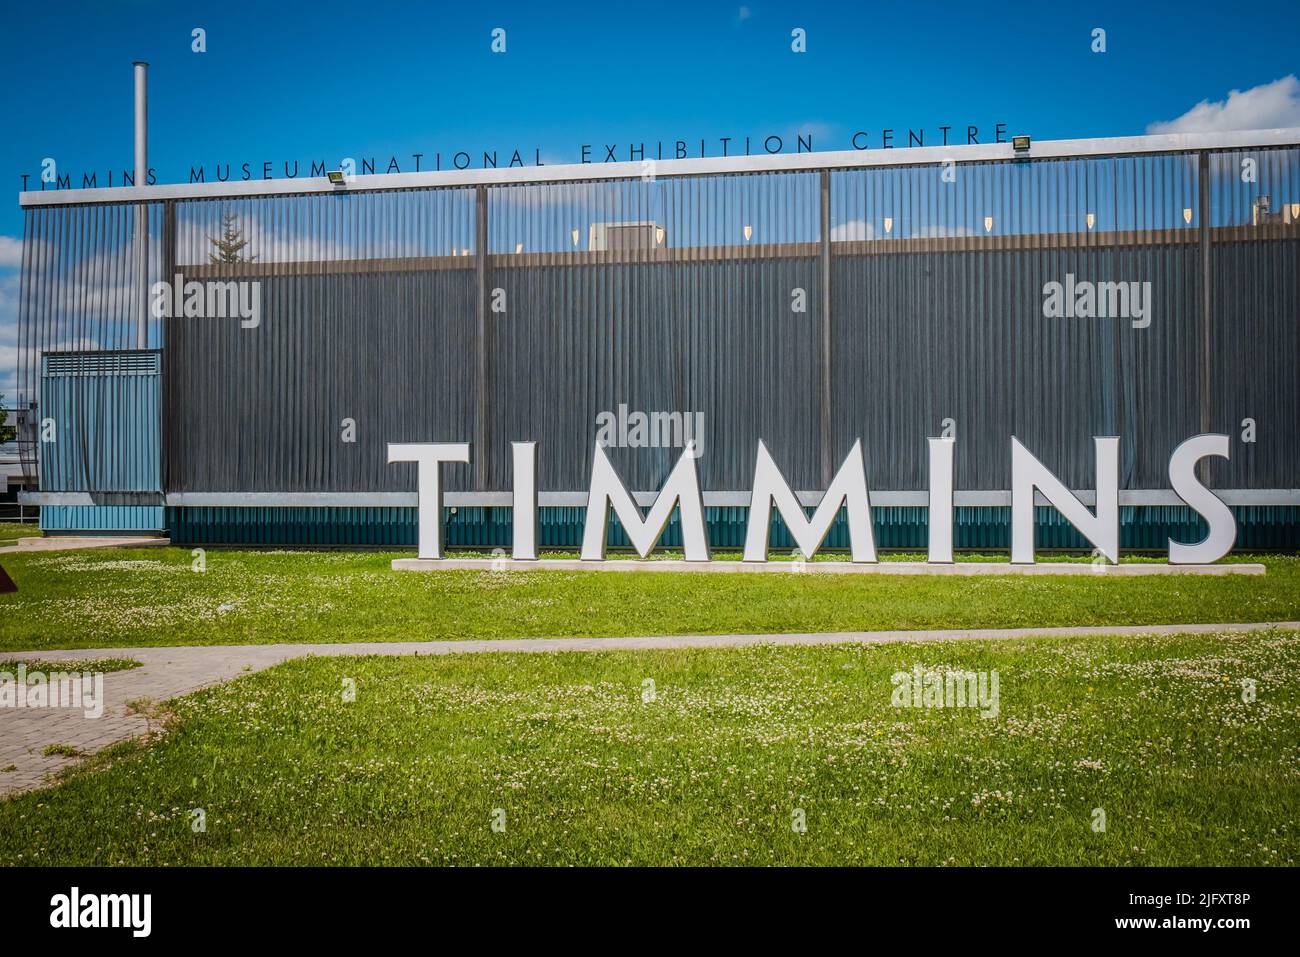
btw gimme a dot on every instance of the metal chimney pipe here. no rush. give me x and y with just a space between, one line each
141 122
141 209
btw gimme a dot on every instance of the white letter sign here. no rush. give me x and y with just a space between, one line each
429 456
683 486
1182 478
1028 474
849 487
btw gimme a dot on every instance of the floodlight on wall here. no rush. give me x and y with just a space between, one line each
889 224
337 178
1187 215
749 232
1295 212
1020 144
1091 220
660 234
988 224
519 247
575 237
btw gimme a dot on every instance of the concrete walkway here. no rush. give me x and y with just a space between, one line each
61 543
172 672
724 567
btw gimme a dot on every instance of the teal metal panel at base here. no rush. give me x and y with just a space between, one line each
105 519
1260 528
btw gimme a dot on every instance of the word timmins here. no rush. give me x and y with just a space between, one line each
848 489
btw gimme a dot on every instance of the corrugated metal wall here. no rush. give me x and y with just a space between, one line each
939 318
62 519
77 294
807 309
101 421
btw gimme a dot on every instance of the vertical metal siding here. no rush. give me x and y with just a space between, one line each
1145 528
104 414
371 311
102 518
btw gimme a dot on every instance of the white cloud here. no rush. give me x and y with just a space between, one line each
940 231
1268 106
11 252
9 340
858 229
88 293
8 337
268 244
854 229
274 241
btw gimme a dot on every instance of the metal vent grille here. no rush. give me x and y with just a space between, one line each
112 362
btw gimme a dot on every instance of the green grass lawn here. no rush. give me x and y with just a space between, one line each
101 665
107 598
1153 731
10 532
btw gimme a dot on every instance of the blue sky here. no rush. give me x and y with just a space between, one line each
326 80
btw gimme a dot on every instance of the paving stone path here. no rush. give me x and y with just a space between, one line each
60 543
170 672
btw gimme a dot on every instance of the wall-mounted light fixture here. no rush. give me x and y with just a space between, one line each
749 232
988 224
519 247
889 223
337 178
660 234
1091 220
575 237
1187 215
